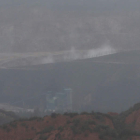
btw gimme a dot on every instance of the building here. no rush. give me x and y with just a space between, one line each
59 101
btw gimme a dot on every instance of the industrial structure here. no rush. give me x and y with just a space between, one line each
59 101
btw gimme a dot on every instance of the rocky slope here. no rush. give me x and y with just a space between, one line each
73 126
56 127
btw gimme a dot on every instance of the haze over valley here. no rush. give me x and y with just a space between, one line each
72 57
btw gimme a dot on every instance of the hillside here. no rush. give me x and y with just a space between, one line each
55 127
97 81
123 57
7 116
74 126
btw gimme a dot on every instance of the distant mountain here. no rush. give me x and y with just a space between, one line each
123 57
96 82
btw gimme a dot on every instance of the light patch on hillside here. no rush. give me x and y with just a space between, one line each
103 50
74 54
48 59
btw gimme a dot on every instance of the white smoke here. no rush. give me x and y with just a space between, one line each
48 59
74 54
103 50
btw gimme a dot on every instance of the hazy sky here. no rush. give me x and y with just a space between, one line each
35 27
98 4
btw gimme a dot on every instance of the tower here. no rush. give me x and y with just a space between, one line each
68 92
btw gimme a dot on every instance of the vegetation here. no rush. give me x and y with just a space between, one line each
35 118
73 114
43 137
105 130
76 122
47 130
23 119
85 113
84 124
4 126
99 116
79 126
58 135
60 128
13 124
54 115
90 122
68 122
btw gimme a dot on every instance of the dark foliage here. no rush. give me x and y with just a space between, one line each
47 130
73 114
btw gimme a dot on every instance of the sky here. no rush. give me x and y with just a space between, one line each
89 4
25 30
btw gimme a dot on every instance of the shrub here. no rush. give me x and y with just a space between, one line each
85 127
71 114
127 132
92 113
58 135
4 127
85 113
86 135
99 117
14 125
54 115
23 119
68 121
8 129
97 128
47 130
23 124
43 137
90 122
66 114
32 128
60 128
76 122
75 130
105 130
35 118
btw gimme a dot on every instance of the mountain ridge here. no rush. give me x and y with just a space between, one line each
73 126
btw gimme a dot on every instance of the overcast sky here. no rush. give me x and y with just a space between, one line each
98 4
